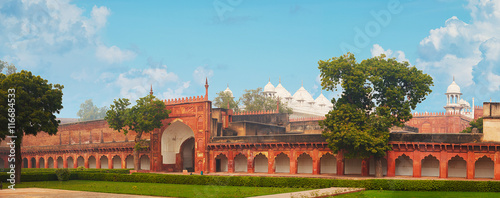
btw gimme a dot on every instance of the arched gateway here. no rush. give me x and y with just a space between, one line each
181 143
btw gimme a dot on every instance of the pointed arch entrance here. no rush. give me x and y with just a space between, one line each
178 135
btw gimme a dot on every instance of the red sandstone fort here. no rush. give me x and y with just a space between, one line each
197 137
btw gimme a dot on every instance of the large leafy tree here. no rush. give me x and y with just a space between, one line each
89 111
141 118
11 68
255 100
478 124
377 93
224 99
30 102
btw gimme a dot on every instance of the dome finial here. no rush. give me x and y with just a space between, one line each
269 79
302 83
453 78
280 79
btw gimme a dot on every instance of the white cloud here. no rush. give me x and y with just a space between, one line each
377 50
136 83
113 54
201 73
468 51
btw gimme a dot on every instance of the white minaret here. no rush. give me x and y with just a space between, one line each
453 97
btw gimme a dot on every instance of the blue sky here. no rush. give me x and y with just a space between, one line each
103 50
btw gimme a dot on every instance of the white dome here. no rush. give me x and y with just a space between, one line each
302 94
269 88
282 92
321 100
464 103
228 91
453 88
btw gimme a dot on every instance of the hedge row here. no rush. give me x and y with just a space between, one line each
290 182
51 170
297 182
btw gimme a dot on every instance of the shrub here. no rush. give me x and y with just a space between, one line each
80 168
63 174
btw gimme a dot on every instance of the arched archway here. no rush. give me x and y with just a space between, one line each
352 166
117 162
328 164
430 166
70 162
2 163
129 161
25 162
172 139
92 162
104 162
304 163
240 163
187 151
260 163
80 162
51 162
60 162
33 162
221 163
41 162
484 168
404 165
457 167
282 163
145 163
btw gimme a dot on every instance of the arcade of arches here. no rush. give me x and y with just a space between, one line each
191 139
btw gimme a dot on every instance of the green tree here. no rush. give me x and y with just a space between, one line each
11 68
88 111
377 93
224 99
474 124
143 117
31 102
255 100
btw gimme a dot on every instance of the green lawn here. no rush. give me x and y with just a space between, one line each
171 190
403 194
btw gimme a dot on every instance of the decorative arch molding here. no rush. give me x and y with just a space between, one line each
452 155
265 153
478 156
407 154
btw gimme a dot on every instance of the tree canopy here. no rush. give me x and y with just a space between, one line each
89 111
478 124
377 93
31 102
224 99
255 100
11 68
143 117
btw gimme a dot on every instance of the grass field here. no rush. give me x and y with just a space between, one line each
171 190
418 194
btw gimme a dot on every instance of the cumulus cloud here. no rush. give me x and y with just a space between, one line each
136 83
468 51
33 30
201 73
113 54
377 50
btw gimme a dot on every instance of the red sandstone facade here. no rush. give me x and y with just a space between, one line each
94 145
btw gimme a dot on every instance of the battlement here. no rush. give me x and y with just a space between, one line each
316 118
185 100
256 112
478 107
416 114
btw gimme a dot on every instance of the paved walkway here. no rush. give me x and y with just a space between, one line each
56 193
314 193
